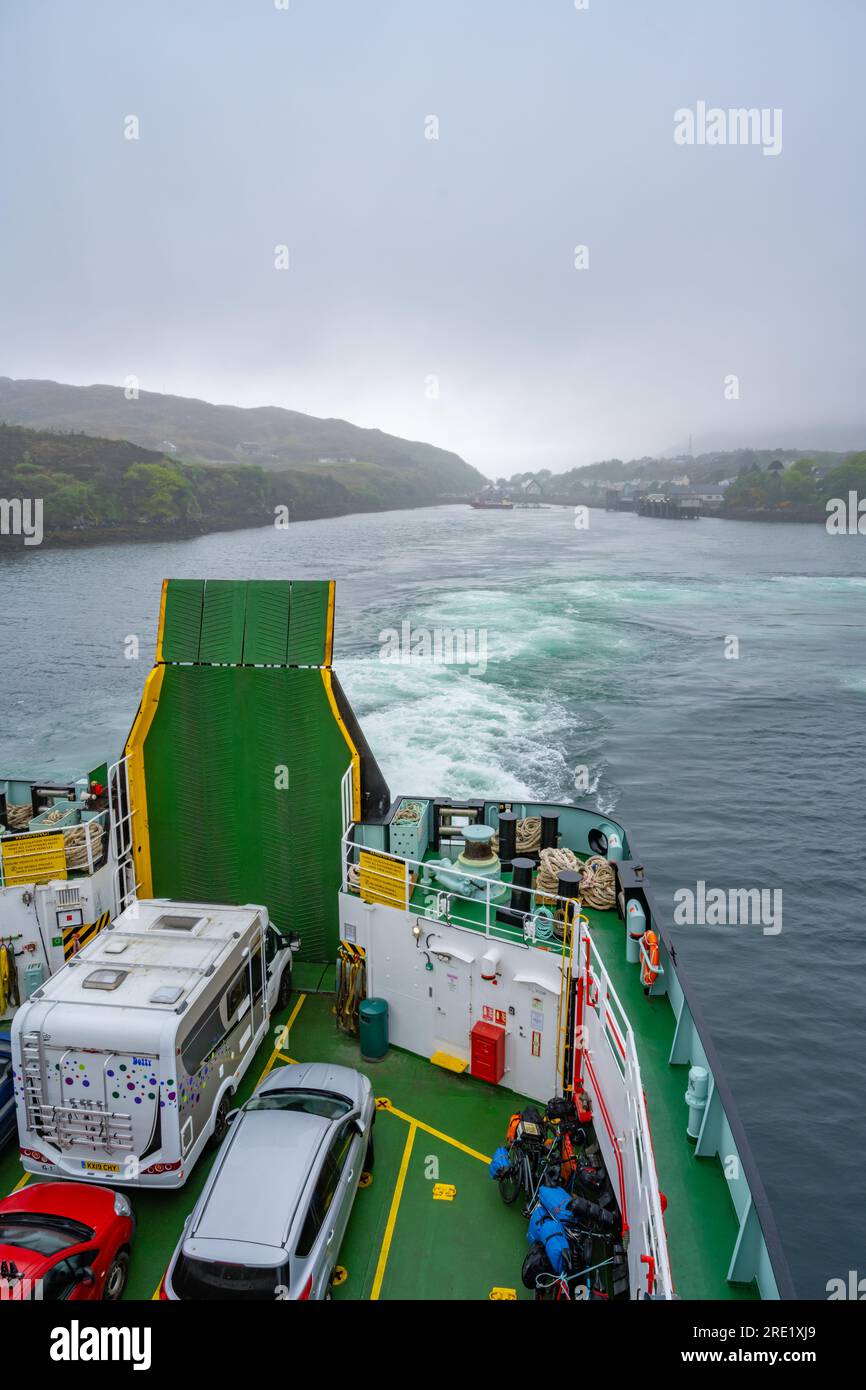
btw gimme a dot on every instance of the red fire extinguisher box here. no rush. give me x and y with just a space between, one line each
488 1052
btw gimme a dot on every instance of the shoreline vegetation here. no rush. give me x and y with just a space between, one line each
97 491
782 485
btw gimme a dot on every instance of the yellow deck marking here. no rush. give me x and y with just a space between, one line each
509 1294
444 1192
437 1134
392 1215
277 1052
22 1182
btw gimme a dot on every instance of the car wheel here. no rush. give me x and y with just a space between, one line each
285 991
115 1279
221 1121
370 1156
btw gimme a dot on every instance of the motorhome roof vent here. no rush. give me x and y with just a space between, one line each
167 994
175 921
115 948
104 979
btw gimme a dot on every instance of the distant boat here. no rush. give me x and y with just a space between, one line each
492 504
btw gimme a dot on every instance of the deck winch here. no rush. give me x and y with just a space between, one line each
476 870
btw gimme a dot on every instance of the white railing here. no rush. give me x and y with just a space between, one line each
347 799
124 883
607 1065
442 904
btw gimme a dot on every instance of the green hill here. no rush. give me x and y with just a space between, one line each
104 489
370 463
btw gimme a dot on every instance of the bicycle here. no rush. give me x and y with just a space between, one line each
537 1160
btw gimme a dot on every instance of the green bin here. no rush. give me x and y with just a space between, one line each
373 1016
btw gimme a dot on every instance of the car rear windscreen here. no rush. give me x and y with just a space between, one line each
322 1103
214 1279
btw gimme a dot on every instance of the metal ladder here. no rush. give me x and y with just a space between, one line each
37 1113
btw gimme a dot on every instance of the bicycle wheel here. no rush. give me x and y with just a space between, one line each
511 1181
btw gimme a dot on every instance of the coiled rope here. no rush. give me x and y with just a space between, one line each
74 837
597 878
552 863
75 844
528 835
598 883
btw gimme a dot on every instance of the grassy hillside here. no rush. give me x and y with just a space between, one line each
94 489
268 436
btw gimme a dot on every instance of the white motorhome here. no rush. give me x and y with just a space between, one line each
126 1060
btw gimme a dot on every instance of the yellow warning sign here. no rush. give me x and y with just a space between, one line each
33 858
383 880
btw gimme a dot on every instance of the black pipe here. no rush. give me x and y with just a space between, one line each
507 837
549 831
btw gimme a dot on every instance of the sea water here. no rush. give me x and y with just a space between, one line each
704 682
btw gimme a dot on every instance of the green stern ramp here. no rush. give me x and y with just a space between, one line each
238 754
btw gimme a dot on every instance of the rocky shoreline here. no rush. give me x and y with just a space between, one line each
81 537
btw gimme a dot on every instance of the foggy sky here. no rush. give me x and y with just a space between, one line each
452 258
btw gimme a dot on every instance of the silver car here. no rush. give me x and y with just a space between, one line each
271 1218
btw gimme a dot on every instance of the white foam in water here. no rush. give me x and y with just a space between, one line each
438 730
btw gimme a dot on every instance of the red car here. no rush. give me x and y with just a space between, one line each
64 1240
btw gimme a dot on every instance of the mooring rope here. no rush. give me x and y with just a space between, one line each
552 863
528 835
598 883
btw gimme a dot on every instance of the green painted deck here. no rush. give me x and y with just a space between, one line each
438 1250
464 1248
700 1221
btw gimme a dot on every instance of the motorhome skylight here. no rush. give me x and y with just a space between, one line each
167 994
175 921
104 979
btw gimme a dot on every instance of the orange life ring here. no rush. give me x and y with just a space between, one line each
649 959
